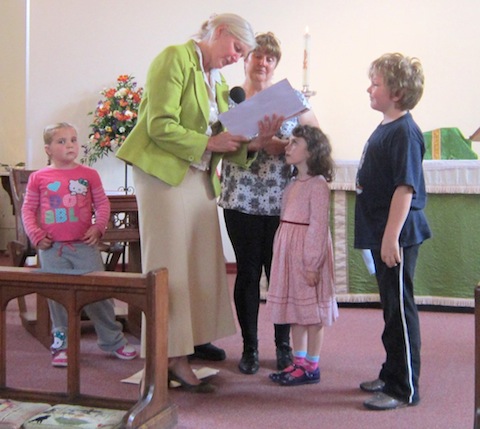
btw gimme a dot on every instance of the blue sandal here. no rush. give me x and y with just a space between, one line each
306 377
277 377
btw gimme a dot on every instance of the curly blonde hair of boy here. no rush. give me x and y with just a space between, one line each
320 161
402 75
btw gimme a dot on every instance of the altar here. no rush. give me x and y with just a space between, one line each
448 267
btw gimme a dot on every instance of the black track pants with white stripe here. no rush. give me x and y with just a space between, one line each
401 334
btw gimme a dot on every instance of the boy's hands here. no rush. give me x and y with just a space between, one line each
390 252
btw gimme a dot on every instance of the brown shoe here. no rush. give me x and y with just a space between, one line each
381 402
372 386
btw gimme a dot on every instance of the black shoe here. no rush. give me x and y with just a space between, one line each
284 357
208 352
249 363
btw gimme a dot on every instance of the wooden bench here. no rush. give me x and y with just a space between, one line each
146 292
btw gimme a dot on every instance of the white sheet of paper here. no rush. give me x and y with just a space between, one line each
134 379
279 98
368 259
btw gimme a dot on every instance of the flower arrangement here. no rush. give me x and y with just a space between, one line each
113 119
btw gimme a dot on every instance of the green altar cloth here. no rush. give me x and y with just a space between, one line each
447 143
448 267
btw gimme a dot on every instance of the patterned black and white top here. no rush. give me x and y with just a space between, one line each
258 190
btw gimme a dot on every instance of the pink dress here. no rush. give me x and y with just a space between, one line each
303 243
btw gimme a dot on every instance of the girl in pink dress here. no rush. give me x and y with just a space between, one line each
302 289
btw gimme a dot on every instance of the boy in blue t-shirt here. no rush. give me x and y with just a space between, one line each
389 220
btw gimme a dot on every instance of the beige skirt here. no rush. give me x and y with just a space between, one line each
179 230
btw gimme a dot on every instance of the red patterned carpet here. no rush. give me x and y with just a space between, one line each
352 353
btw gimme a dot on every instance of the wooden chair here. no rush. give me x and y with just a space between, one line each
38 323
21 248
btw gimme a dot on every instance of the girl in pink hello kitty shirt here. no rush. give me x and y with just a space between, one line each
57 215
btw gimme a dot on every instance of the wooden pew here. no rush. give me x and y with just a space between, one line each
147 292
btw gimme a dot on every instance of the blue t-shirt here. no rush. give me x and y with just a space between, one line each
392 157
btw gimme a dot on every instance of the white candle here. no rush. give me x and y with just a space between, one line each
306 58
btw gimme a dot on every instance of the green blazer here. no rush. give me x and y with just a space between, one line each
173 118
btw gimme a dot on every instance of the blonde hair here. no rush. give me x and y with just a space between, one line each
236 25
402 75
50 130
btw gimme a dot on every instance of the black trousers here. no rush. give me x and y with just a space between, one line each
252 240
401 334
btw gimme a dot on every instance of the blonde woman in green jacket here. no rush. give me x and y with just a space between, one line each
174 157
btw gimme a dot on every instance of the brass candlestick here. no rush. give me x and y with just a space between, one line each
307 92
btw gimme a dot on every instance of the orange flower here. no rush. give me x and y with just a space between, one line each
109 93
105 142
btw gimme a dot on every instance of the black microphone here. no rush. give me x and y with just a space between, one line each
237 94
